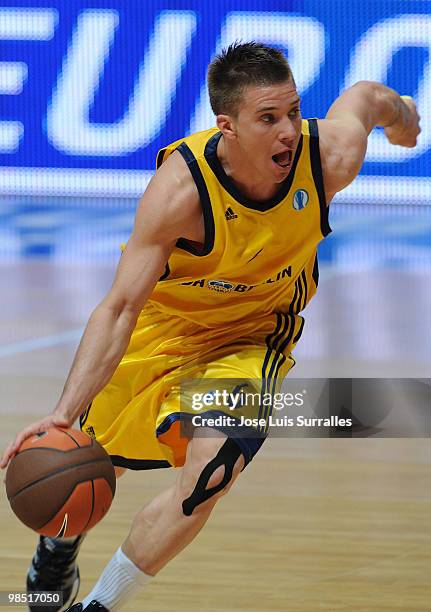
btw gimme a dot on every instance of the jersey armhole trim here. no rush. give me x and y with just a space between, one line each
160 158
183 243
316 169
165 273
315 273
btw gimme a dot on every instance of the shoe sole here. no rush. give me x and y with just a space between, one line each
75 588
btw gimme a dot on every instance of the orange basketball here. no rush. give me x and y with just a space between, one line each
61 482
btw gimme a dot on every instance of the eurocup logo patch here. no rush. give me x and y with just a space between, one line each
300 199
219 285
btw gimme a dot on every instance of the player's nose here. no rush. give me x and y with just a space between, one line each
287 133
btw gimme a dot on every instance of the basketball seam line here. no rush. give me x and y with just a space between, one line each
51 448
71 437
73 467
92 506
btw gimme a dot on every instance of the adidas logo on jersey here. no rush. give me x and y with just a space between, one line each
229 214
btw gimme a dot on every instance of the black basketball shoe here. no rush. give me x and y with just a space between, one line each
53 568
93 606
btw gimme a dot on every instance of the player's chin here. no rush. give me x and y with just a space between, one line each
280 173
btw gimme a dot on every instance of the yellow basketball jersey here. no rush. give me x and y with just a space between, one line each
258 257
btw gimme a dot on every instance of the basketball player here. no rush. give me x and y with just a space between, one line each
220 264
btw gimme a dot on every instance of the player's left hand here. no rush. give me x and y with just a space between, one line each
405 130
53 420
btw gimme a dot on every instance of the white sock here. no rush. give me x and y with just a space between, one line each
119 582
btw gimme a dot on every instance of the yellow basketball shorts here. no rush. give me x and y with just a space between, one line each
138 416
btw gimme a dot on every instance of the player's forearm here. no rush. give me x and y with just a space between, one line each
101 348
387 107
374 105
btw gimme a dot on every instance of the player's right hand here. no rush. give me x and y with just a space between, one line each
405 131
53 420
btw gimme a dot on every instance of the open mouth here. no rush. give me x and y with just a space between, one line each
283 159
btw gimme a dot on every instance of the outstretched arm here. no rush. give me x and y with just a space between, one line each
169 208
349 121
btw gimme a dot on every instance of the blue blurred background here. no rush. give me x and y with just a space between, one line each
90 90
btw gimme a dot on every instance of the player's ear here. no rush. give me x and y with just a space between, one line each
226 125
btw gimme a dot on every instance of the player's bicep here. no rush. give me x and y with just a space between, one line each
141 265
354 107
343 145
160 219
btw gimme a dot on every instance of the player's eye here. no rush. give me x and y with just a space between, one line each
268 118
294 112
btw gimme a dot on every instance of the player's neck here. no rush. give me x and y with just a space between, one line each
251 185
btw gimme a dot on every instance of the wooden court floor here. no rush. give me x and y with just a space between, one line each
312 524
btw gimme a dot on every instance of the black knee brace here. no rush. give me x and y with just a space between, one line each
227 456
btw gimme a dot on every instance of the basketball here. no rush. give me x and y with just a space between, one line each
60 483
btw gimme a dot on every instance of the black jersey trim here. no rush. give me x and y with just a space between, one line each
84 416
304 280
159 160
297 308
315 272
277 342
295 296
165 273
299 334
287 341
290 323
294 305
287 331
183 243
272 356
228 184
270 340
316 169
139 464
289 328
300 296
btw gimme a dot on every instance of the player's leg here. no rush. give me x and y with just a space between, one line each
265 358
171 521
53 568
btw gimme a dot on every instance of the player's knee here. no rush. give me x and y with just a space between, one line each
208 477
218 478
